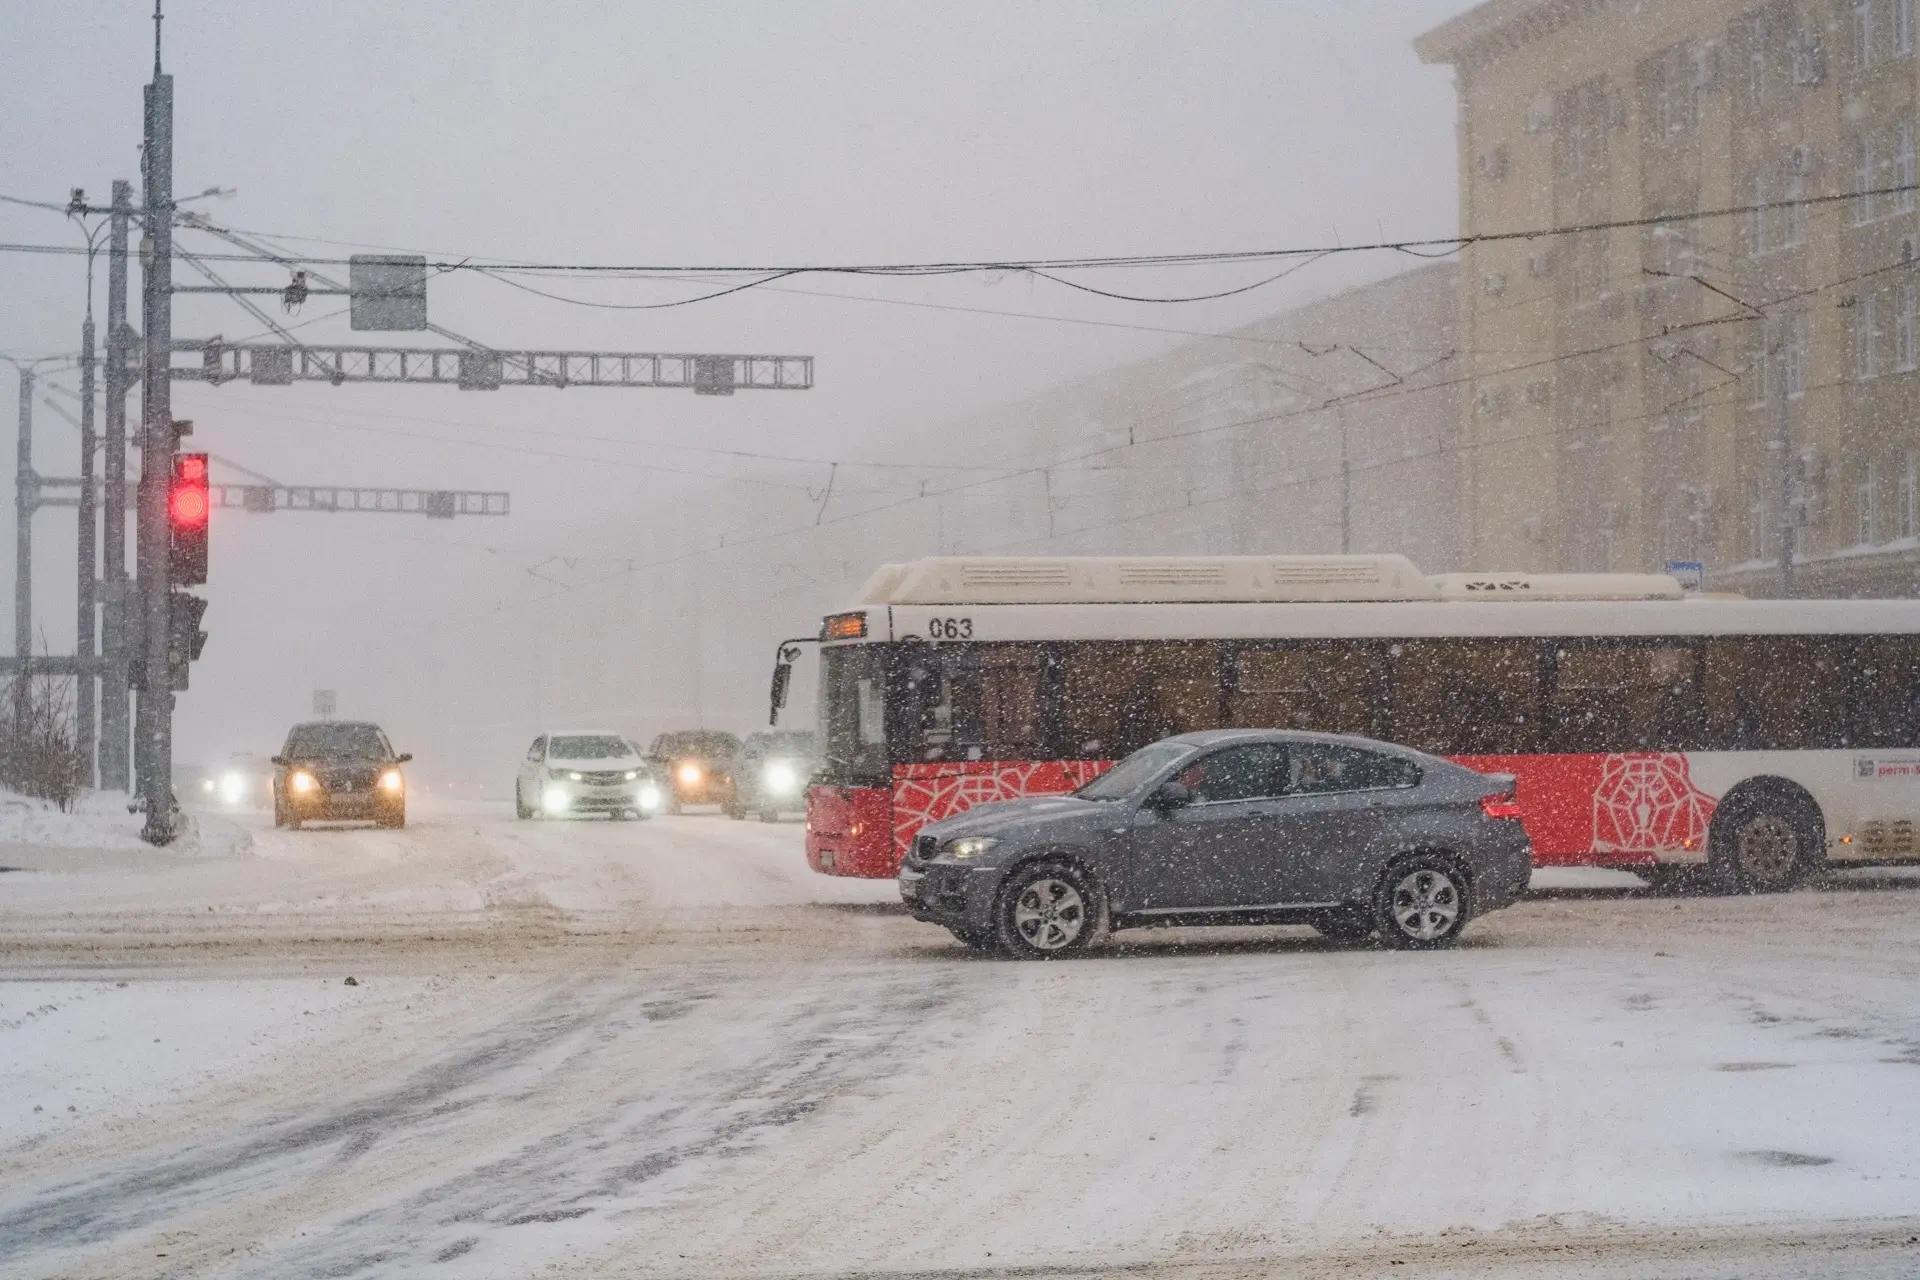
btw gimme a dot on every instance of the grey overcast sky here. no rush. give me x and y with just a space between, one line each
623 131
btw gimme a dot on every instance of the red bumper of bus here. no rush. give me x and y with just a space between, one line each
850 832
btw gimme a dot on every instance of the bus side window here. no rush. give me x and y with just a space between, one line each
1120 697
1613 696
1885 692
1467 697
1776 693
1326 688
976 702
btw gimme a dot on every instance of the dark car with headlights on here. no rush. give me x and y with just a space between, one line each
1230 826
339 771
769 776
697 765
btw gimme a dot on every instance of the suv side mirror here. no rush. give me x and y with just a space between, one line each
279 760
403 757
1169 796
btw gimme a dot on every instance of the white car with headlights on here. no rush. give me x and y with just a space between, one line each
585 771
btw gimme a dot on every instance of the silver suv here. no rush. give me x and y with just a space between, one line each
1351 836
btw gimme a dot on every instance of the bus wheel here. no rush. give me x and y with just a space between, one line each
1762 846
1046 910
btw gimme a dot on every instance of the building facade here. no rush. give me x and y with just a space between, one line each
1729 372
1326 427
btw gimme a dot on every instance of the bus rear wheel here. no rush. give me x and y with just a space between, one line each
1764 845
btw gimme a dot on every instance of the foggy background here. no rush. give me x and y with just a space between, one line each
666 134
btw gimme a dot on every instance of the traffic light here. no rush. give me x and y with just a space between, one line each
189 504
185 639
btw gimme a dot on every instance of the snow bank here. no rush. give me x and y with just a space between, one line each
100 820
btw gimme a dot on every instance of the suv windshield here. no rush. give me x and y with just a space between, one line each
354 741
1132 773
590 746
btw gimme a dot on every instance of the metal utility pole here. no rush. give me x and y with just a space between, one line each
153 746
1346 484
114 774
26 490
1776 370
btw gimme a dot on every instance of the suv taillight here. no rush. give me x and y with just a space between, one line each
1501 805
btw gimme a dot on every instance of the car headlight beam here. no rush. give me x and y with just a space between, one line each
649 796
392 783
688 773
555 800
780 778
303 783
967 848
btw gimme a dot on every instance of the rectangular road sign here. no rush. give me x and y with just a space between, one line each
387 291
1690 574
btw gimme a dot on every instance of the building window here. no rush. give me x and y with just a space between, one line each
1907 329
1863 33
1866 336
1760 517
1793 354
1806 59
1863 204
1866 504
1910 495
1902 200
1540 113
1901 35
1792 214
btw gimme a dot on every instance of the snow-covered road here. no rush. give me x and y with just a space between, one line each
667 1049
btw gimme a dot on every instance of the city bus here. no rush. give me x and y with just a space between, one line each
1648 728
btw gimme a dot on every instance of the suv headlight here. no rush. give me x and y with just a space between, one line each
967 848
780 777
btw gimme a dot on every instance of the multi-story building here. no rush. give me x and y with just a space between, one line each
1730 369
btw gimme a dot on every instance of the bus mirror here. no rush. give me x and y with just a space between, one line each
782 676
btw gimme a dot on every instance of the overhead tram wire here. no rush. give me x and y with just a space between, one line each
1392 392
1041 266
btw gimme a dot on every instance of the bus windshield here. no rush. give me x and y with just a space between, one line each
1132 773
853 709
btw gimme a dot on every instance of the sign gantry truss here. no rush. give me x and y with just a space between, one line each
279 365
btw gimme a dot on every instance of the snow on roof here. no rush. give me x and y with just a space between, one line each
1557 586
1144 580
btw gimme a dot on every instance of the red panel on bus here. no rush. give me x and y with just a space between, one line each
924 793
1598 809
849 833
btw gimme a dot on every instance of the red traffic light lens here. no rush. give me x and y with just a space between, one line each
187 506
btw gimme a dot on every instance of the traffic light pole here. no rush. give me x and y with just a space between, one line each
153 743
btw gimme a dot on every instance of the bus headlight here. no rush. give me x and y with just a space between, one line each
688 773
780 778
303 783
555 800
233 787
648 796
392 783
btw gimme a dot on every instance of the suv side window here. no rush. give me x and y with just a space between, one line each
1315 769
1256 771
538 750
